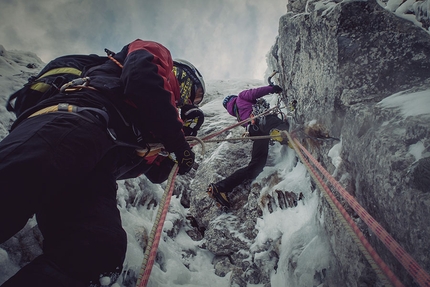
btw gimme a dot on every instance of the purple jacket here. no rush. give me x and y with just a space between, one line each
246 99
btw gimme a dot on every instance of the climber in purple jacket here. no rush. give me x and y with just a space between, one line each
243 106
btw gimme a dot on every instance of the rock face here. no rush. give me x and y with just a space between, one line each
339 62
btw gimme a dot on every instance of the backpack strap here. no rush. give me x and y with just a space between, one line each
39 85
236 112
43 87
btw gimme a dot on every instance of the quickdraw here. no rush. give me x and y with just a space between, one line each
77 84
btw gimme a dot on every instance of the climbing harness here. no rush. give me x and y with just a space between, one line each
77 84
43 87
269 111
79 111
382 270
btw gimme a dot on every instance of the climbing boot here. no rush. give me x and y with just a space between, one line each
279 136
220 197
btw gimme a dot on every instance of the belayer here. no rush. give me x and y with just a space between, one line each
76 133
246 104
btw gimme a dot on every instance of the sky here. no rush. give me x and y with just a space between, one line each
301 229
224 39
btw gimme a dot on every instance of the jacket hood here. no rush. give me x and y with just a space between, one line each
230 106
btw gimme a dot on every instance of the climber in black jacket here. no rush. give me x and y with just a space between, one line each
64 154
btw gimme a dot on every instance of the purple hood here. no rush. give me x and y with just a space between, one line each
246 99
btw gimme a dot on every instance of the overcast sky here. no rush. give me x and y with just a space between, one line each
224 39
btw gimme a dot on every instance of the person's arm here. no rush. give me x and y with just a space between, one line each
252 95
150 85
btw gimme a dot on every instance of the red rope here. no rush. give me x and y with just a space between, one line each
382 270
238 124
152 246
418 273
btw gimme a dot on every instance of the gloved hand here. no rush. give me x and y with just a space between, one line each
277 89
185 157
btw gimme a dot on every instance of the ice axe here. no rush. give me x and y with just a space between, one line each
269 79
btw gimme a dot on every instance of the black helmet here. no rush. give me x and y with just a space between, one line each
189 79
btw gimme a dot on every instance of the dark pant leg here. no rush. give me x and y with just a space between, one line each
37 272
260 150
39 158
83 236
83 231
272 122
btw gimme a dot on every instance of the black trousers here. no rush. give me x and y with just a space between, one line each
259 153
61 168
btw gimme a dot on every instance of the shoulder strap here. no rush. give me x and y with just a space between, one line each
236 112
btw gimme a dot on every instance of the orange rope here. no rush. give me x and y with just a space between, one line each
115 61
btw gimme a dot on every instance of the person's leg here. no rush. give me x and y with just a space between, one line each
83 231
38 158
273 122
42 272
83 236
260 150
275 127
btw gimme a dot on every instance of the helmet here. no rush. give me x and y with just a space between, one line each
189 79
227 99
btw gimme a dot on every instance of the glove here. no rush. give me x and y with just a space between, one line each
185 158
277 89
193 119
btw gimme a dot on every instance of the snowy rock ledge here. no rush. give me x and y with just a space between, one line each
362 74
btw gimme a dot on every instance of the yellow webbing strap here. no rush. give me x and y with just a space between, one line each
50 109
43 87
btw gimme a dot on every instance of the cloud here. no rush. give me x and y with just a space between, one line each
223 38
